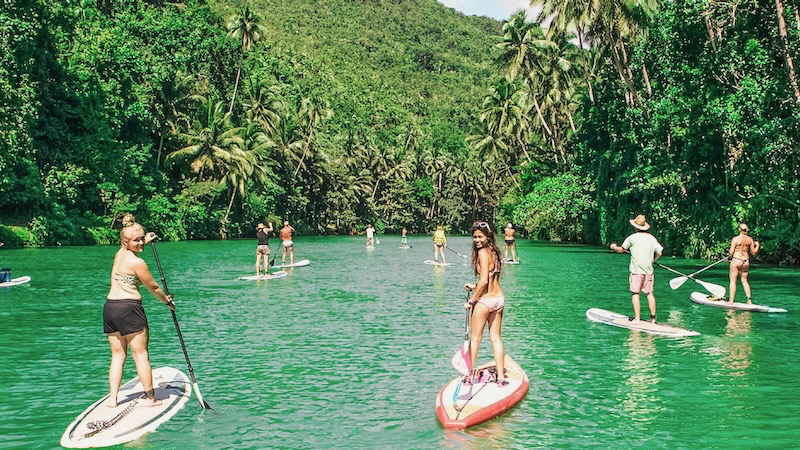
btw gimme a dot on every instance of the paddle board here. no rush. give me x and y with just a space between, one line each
270 276
511 261
301 263
460 405
708 300
404 247
618 320
16 281
101 426
435 263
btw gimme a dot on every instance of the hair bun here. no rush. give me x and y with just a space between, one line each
128 220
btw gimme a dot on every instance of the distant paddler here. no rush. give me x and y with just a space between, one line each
288 244
404 237
742 250
370 236
645 250
124 320
510 242
262 234
439 243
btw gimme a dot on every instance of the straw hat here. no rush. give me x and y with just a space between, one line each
260 226
640 223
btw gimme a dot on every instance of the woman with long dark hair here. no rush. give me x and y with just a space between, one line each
487 296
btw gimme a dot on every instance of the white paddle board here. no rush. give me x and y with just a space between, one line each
16 281
511 261
101 426
435 263
618 320
709 300
301 263
461 405
404 247
270 276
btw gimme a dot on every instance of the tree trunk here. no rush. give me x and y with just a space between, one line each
511 175
647 80
160 146
585 64
235 87
571 121
230 204
539 113
786 52
305 149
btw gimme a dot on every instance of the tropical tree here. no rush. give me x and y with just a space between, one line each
313 111
245 28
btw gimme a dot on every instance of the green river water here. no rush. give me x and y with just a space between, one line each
351 351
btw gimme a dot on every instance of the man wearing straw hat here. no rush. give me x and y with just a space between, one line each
263 247
644 250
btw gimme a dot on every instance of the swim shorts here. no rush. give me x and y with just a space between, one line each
125 316
262 250
494 303
640 282
509 241
288 243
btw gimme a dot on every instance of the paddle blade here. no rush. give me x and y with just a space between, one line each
675 283
461 360
714 289
203 403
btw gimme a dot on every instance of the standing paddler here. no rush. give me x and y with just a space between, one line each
439 243
404 237
742 250
288 244
124 320
510 242
645 250
487 297
262 234
370 236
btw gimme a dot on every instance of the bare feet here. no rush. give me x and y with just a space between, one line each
635 321
111 402
151 402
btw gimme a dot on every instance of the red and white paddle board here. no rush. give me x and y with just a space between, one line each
460 405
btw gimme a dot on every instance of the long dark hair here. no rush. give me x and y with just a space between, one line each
491 242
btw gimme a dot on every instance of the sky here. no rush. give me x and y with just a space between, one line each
497 9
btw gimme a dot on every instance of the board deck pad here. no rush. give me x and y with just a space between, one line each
301 263
434 263
129 420
478 402
710 300
16 281
619 320
270 276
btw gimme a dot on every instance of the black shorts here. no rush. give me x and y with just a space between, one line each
509 241
123 316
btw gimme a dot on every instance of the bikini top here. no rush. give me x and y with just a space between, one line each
130 280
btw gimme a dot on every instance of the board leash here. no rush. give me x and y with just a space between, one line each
100 425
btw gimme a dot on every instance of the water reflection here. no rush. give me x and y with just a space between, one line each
737 350
491 434
641 399
440 293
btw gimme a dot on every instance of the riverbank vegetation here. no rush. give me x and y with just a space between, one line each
207 117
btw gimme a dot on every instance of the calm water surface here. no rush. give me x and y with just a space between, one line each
351 351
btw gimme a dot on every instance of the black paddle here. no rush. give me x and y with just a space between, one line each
203 403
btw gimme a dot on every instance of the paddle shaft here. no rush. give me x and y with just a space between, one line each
203 403
715 289
708 267
459 254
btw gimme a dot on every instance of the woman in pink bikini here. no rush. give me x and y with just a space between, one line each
487 296
743 248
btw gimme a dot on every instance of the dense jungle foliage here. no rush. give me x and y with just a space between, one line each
207 117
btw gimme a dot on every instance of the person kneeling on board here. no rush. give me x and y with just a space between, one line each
487 297
124 320
645 250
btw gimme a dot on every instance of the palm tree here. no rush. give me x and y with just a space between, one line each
262 104
313 111
244 27
171 98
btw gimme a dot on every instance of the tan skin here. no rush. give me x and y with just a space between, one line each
286 235
509 236
127 262
487 285
742 250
